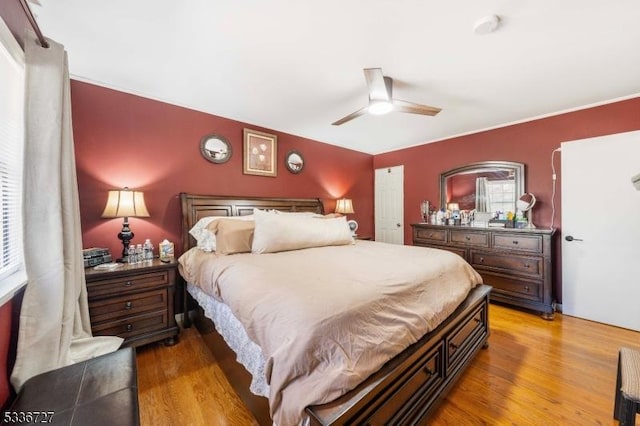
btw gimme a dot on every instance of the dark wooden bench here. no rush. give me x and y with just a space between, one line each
627 402
99 391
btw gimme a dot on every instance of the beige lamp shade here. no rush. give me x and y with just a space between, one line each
344 206
125 203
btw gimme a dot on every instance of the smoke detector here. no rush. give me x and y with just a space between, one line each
486 24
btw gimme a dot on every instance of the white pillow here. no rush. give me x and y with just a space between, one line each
281 232
204 237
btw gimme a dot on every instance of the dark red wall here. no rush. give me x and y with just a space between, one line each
126 140
530 143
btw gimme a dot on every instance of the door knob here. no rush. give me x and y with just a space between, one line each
570 238
398 225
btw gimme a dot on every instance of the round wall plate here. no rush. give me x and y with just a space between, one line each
353 225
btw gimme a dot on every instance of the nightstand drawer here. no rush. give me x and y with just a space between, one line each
127 305
522 265
132 326
528 243
476 239
126 284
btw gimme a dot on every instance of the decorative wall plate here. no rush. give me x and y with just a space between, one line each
215 148
294 162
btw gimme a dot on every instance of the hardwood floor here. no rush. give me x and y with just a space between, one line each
535 372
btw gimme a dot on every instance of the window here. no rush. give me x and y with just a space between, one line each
12 93
501 195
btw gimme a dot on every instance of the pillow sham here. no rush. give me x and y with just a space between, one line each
232 236
206 240
274 232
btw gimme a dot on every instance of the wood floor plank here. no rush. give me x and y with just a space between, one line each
535 372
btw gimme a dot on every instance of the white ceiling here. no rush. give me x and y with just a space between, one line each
296 66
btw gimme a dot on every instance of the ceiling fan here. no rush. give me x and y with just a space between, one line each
381 100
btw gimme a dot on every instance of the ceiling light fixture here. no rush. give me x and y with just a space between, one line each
486 24
380 107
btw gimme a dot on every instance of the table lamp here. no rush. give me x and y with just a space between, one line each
125 203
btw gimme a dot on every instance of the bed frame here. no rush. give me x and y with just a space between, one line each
404 391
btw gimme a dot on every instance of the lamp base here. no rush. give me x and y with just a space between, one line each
125 235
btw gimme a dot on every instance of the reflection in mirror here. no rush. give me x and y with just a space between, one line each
215 149
488 186
294 162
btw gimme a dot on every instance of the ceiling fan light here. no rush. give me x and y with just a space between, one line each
380 107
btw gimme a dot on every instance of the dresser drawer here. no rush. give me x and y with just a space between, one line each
418 386
132 326
513 287
127 284
465 337
430 235
127 305
521 265
528 243
475 239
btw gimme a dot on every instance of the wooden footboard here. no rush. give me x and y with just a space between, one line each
409 386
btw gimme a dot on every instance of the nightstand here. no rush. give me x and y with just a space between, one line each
135 302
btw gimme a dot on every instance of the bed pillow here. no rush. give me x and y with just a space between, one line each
206 240
232 236
276 232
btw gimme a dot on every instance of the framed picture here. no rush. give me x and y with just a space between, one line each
260 153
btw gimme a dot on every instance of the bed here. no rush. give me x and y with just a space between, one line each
402 390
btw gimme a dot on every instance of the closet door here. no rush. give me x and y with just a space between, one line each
601 217
389 204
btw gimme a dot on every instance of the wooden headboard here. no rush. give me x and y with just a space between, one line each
195 207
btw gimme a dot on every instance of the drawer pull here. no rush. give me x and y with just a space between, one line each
515 242
477 319
428 371
468 238
481 259
431 235
526 265
526 288
128 305
453 346
129 327
128 284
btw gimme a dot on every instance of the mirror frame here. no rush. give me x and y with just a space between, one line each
205 153
288 166
480 166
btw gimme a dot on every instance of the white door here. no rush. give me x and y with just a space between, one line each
601 212
389 204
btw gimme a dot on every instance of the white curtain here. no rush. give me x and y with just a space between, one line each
54 328
482 194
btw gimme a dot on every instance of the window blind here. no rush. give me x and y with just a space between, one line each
12 94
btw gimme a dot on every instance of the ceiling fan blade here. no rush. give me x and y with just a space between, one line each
351 116
379 86
410 107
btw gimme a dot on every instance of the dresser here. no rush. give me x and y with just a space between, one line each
135 302
517 263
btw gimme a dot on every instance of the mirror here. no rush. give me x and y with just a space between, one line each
487 186
294 162
215 148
